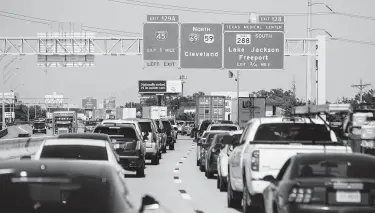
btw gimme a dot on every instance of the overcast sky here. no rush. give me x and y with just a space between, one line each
346 62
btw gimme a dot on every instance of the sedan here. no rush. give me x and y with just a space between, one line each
79 146
65 186
324 182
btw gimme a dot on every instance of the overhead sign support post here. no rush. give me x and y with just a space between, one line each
161 41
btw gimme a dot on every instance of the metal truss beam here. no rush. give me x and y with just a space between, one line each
109 46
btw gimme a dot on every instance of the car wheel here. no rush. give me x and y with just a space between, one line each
165 149
232 196
201 167
171 147
218 182
197 162
223 184
155 160
141 171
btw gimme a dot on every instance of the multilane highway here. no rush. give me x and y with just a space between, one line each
178 184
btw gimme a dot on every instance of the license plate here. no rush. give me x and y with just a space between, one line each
348 197
117 146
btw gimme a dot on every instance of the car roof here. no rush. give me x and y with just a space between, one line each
327 156
144 120
70 168
281 119
124 121
127 125
216 124
92 136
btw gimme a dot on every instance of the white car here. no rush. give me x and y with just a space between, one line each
84 146
222 162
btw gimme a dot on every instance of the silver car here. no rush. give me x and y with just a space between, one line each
150 136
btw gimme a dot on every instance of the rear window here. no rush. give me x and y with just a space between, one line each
145 126
79 152
226 122
337 167
124 132
224 128
54 193
292 132
90 123
39 125
210 138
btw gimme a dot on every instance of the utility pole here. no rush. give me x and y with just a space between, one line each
294 87
308 64
183 81
361 87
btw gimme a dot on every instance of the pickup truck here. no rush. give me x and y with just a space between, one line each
265 145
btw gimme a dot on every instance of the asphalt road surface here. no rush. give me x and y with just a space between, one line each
183 190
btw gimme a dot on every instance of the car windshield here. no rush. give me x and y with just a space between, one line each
167 125
122 132
53 194
292 132
90 123
39 125
145 126
336 167
225 128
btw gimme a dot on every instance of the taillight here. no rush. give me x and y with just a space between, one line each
300 195
255 161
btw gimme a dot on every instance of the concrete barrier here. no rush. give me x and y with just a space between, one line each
3 132
17 147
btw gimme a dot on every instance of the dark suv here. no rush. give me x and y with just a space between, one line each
128 144
171 140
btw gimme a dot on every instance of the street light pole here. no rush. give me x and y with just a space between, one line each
238 96
308 64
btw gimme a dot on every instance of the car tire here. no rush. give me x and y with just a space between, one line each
164 149
223 184
201 167
155 160
218 182
232 196
171 147
197 162
141 171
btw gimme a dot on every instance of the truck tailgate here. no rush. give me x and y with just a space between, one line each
273 157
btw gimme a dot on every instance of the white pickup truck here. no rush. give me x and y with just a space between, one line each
266 143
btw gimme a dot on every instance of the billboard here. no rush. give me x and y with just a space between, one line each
54 100
158 86
228 100
89 103
109 103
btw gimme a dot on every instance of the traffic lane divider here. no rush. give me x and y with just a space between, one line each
19 143
3 132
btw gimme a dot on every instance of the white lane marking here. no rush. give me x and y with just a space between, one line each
177 179
185 195
19 127
179 163
176 170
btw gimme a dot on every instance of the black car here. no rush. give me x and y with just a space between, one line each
39 127
203 127
128 144
205 145
162 134
65 186
89 126
171 140
212 154
324 182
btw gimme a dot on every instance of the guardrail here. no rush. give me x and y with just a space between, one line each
17 147
3 132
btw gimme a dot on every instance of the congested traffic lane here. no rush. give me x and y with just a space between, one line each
178 184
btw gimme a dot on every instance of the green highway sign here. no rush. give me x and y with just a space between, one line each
254 46
201 46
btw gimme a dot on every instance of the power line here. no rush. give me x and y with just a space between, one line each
229 12
54 21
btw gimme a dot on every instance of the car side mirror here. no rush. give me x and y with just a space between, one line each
195 140
269 178
145 137
159 131
175 128
227 139
26 157
149 203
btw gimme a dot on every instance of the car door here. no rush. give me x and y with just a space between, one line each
235 160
